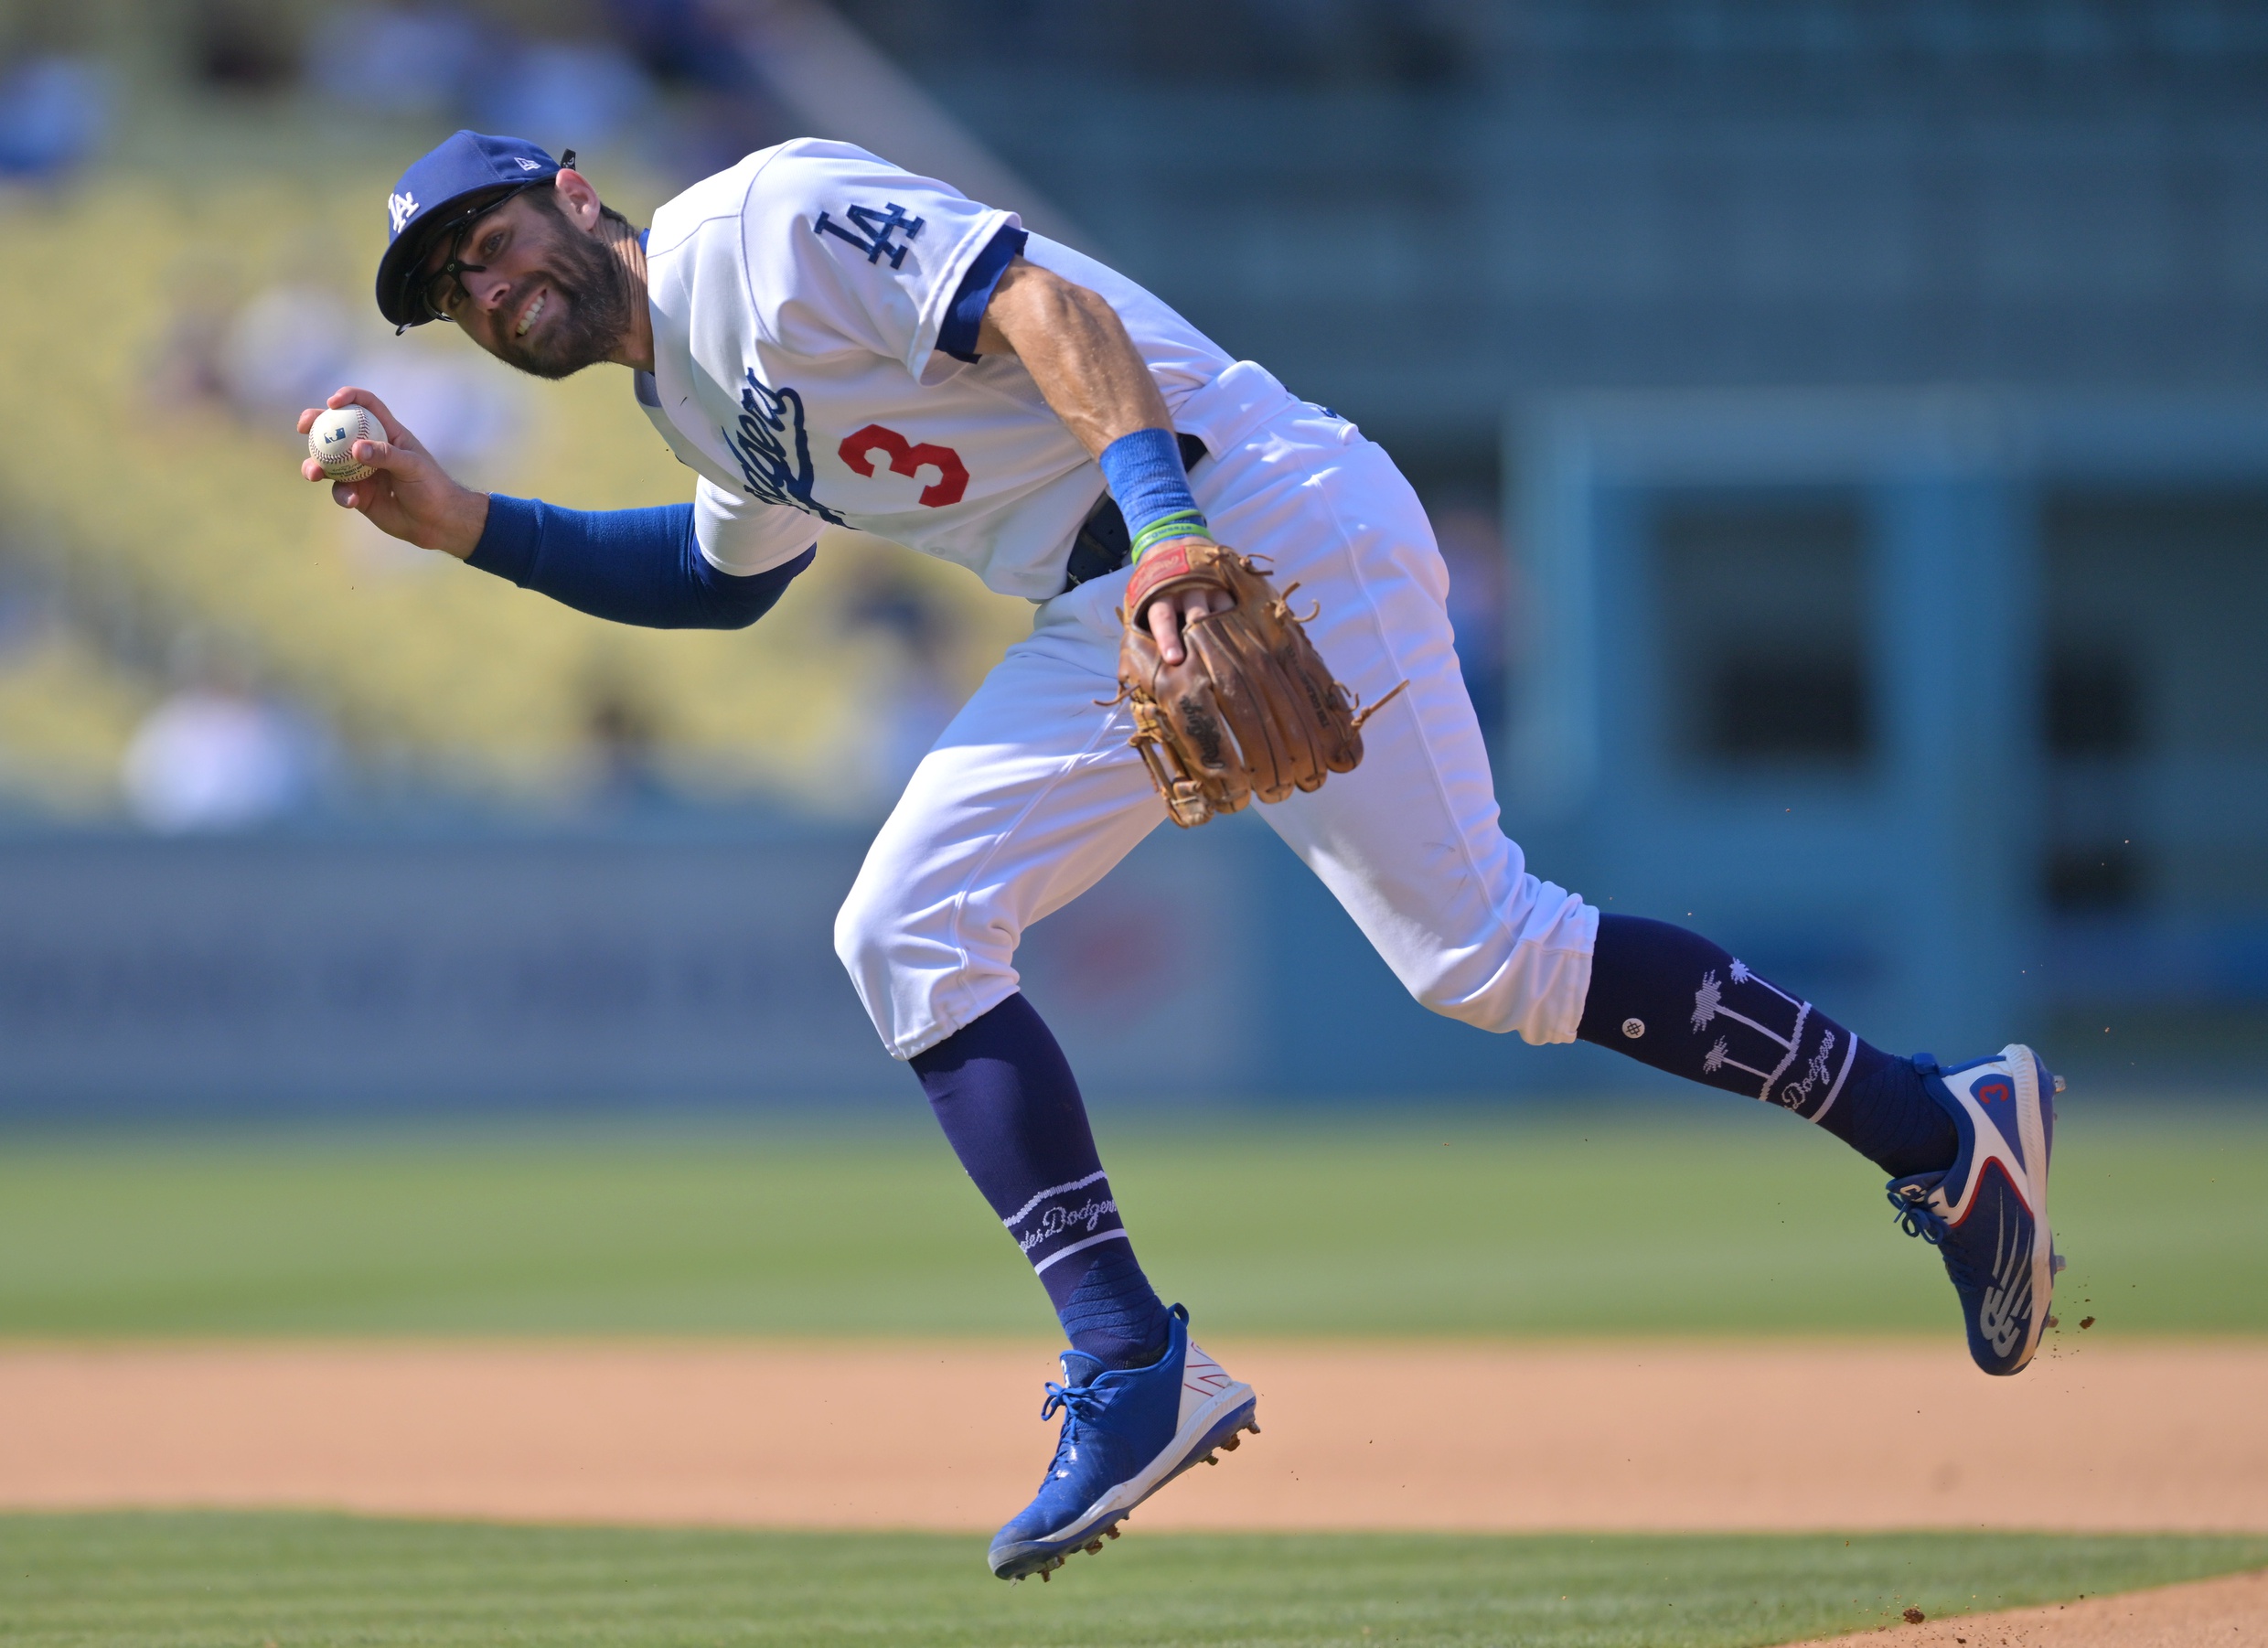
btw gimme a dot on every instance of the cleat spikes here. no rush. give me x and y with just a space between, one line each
1232 1444
1111 1532
1212 1458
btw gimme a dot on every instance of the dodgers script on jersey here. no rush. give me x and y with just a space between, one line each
797 303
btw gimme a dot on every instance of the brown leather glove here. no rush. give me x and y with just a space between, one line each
1250 711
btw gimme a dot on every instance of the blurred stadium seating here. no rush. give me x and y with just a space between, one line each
125 464
67 711
1687 237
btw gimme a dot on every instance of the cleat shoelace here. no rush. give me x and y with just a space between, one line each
1916 1217
1079 1404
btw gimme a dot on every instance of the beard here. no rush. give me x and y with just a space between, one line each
586 316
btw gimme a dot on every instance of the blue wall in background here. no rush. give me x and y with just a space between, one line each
679 962
1942 706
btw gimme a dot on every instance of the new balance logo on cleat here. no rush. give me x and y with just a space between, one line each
2005 1311
1203 1377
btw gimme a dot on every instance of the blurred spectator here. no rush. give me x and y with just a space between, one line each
919 693
292 344
461 410
562 94
247 45
456 403
27 609
203 299
623 749
285 351
714 131
700 50
1475 550
690 43
399 61
217 757
53 112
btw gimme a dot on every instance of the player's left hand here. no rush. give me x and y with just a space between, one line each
1254 713
1167 615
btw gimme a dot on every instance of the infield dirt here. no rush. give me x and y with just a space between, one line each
2232 1612
947 1436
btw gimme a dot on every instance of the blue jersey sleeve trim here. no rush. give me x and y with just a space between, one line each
957 337
630 566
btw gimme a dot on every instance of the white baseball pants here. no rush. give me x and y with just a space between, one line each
1032 793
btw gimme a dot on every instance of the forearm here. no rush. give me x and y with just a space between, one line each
1079 356
1075 348
463 521
629 566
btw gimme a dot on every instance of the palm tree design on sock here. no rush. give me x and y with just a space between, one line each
1708 1005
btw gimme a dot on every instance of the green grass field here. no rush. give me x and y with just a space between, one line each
240 1581
1723 1220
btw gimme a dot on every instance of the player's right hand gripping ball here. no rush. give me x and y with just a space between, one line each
1250 711
330 442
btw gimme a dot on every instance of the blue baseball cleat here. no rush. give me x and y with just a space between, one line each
1987 1214
1125 1434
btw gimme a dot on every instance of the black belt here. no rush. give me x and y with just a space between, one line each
1103 542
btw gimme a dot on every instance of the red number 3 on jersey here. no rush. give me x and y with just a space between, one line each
906 458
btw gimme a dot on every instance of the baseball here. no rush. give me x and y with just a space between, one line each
331 442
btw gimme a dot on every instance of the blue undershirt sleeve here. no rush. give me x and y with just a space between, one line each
957 336
632 566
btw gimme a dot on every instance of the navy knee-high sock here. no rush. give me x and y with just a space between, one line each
1004 1092
1671 999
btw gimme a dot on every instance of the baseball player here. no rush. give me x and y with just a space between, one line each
822 337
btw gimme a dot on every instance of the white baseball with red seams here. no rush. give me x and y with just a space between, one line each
798 300
330 442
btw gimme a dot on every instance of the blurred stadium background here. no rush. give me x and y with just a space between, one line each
1847 424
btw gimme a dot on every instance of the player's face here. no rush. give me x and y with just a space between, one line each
534 289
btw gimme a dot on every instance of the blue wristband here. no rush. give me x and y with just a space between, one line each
1144 473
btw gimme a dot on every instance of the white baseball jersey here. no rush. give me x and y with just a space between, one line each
797 304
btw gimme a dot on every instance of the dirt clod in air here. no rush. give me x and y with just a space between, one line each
2086 1321
1914 1616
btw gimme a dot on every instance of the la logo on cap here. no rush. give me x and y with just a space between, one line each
401 207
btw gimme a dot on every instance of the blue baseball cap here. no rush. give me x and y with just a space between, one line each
445 190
